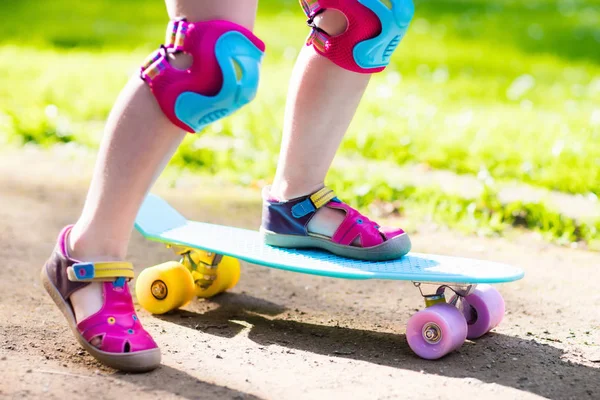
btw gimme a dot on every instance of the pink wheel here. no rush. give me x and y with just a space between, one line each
436 331
483 309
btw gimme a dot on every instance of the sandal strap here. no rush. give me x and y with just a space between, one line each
100 271
313 202
355 225
116 324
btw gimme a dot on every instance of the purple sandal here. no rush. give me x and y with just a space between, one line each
284 224
123 343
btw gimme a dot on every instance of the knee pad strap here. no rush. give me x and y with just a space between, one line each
223 78
375 28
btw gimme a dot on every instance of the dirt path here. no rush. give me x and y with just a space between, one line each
282 335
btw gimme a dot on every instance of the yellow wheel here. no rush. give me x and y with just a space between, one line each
164 287
228 275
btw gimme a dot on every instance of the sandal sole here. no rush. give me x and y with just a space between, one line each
388 250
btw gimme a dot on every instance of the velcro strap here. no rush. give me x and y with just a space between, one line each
152 58
310 7
176 31
154 65
318 39
322 197
157 62
313 203
100 271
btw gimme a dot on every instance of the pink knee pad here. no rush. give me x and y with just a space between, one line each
223 77
374 30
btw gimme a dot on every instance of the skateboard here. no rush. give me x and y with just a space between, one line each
460 301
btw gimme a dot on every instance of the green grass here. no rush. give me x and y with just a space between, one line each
483 214
508 87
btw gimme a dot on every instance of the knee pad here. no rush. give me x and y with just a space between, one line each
223 76
374 30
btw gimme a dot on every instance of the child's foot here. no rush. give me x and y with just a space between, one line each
95 299
321 220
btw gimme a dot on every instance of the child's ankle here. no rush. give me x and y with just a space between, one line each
84 246
284 191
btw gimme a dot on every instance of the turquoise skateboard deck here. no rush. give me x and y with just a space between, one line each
158 221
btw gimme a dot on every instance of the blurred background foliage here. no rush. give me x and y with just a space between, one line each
501 90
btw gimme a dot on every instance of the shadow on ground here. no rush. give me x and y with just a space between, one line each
181 384
492 359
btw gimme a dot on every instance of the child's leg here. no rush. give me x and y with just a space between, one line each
138 143
318 87
139 140
321 102
324 93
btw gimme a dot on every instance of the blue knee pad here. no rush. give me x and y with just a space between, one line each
223 77
375 28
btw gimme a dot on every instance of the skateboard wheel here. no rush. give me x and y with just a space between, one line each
228 275
436 331
164 287
483 309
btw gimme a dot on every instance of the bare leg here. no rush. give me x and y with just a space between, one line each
322 100
139 141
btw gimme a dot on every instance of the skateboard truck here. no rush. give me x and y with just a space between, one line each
439 295
202 264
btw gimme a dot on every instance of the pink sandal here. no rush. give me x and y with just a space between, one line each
123 342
